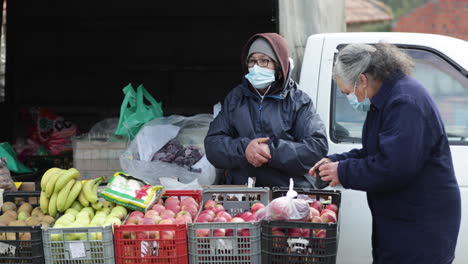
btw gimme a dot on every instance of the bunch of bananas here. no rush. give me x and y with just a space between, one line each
60 188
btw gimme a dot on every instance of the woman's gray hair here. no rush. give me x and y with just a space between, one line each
381 61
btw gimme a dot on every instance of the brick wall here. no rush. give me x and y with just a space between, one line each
445 17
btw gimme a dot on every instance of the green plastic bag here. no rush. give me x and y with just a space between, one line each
13 164
134 112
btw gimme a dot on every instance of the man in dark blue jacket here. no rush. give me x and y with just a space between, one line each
267 128
405 165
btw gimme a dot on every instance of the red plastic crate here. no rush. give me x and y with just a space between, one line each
134 245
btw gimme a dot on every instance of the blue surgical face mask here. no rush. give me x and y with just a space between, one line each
363 106
260 77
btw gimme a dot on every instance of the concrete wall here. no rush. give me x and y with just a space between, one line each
298 19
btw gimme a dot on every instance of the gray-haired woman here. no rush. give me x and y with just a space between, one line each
405 165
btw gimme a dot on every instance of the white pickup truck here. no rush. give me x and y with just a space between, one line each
441 64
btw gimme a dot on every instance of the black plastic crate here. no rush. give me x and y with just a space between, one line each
31 197
301 242
43 163
21 244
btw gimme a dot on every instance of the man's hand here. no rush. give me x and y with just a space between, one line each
257 152
329 172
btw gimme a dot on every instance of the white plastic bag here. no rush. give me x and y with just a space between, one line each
174 184
192 131
288 207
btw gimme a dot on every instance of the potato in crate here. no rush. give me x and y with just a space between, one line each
159 235
227 231
312 239
20 228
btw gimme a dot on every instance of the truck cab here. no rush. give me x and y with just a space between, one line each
441 65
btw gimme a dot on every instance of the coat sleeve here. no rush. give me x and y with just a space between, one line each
223 148
309 145
352 154
401 152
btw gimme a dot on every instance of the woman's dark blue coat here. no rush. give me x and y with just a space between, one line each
405 166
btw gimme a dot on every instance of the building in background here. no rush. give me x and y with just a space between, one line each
362 15
445 17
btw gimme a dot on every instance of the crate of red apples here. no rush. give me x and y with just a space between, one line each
303 229
159 235
227 229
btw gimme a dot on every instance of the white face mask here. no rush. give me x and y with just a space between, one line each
363 106
260 77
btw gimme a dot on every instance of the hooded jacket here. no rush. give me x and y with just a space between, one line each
286 115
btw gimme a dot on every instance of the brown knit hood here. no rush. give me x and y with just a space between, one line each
280 47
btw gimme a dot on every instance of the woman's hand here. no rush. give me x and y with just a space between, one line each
320 162
329 172
257 152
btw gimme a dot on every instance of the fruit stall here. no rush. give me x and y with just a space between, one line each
122 219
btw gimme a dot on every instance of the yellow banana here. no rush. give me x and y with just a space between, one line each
75 191
44 202
90 189
82 199
68 175
63 195
53 205
46 177
51 182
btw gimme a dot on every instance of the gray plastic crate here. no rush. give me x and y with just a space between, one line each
59 249
243 244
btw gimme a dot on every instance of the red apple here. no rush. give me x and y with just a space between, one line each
260 214
229 232
255 207
134 219
237 220
208 211
167 214
127 234
328 217
160 201
203 232
317 205
295 232
218 208
167 221
209 204
151 213
173 207
247 216
191 208
317 219
205 218
244 232
158 208
182 213
225 215
322 233
219 232
153 234
142 235
146 221
306 232
172 200
189 201
167 234
137 213
220 219
332 207
313 212
185 218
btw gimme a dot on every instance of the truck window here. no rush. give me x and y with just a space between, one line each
447 86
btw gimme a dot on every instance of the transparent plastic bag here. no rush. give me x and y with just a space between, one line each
288 207
141 158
